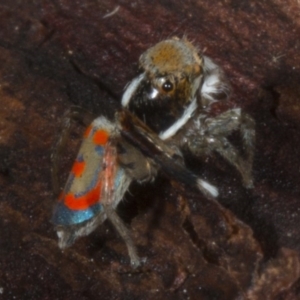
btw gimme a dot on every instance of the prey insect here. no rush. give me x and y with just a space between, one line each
111 156
173 95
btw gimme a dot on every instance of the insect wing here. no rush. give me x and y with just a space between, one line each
79 200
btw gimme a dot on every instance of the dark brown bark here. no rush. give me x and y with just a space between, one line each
57 53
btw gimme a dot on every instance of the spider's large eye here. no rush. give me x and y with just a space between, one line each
167 86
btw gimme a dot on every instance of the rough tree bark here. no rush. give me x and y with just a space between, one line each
57 53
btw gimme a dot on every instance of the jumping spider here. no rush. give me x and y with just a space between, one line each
173 95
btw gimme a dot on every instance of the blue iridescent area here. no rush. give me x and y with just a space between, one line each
80 158
62 215
99 150
118 178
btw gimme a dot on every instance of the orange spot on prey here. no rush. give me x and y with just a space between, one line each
100 137
78 168
85 201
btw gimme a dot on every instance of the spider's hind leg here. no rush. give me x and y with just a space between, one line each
229 152
247 130
228 122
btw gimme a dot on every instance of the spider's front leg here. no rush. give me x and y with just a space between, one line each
211 134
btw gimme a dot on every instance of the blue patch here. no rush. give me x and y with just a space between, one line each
99 150
80 158
62 215
120 174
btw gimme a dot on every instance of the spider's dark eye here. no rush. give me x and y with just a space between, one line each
167 86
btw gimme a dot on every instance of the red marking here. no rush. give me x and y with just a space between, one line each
85 201
95 195
87 131
100 137
78 168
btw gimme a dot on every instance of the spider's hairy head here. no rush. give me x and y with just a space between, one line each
172 67
173 56
171 74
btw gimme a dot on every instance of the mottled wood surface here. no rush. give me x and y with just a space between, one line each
57 53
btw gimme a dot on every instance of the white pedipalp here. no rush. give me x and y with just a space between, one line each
211 189
187 114
131 88
214 81
209 86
